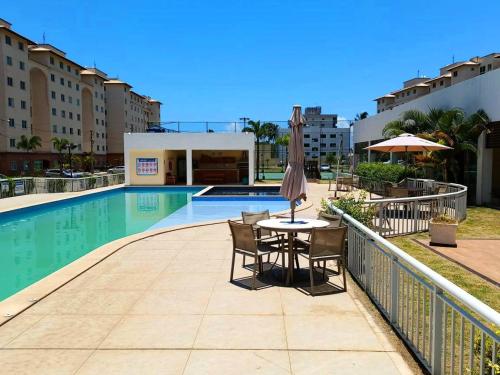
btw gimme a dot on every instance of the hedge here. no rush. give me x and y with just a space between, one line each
384 172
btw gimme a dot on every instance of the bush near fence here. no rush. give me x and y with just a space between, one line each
381 172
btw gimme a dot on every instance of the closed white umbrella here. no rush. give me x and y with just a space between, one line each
294 184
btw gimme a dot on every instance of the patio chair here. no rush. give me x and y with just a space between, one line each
245 243
263 234
326 244
441 189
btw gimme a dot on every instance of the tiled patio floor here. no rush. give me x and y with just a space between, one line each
164 305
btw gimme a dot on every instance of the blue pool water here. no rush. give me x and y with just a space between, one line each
36 241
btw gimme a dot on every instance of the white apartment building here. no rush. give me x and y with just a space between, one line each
322 136
481 90
44 93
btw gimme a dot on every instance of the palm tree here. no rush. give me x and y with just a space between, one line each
414 122
60 145
260 131
283 141
70 146
29 144
361 116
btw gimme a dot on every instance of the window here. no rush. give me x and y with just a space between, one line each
102 122
23 104
78 101
22 85
70 130
8 40
322 136
13 163
53 94
11 123
97 147
61 65
78 116
441 83
97 135
20 45
61 80
77 87
434 85
482 70
455 73
51 60
54 128
102 109
68 68
54 112
322 145
38 165
9 60
315 139
323 153
333 135
79 132
97 121
71 115
97 108
21 65
63 98
24 124
70 99
12 142
64 129
52 78
489 67
10 102
306 145
102 135
63 113
70 84
95 94
307 135
414 91
10 81
333 144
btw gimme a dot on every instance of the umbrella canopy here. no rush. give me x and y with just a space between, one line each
407 143
294 184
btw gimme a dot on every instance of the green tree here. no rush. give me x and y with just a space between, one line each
413 122
29 144
361 116
261 132
60 146
70 147
331 158
284 141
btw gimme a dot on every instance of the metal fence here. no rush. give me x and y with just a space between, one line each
449 330
38 185
396 216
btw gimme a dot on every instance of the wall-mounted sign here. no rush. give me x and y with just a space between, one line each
146 166
19 187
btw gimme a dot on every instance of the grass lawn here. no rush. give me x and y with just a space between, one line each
481 222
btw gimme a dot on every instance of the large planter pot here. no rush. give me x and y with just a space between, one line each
443 234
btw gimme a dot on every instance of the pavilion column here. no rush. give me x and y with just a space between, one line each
369 152
189 167
484 171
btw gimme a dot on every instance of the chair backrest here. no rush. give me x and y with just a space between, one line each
327 241
441 189
334 220
243 236
253 217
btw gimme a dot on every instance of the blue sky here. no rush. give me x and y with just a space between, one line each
220 60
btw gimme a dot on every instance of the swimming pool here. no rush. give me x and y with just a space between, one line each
38 240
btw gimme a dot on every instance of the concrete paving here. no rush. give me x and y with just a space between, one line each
164 305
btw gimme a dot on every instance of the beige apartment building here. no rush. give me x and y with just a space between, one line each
448 75
44 93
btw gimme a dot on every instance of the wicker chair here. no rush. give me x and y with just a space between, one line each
326 244
245 243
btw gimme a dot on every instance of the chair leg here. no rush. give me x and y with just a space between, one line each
324 269
311 276
232 267
343 276
244 260
297 261
261 267
255 265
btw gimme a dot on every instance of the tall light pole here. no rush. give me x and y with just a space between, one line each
244 119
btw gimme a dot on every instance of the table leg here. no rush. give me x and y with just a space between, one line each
289 278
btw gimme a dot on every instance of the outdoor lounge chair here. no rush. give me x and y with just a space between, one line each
263 234
245 243
326 244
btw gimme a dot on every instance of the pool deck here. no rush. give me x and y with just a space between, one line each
163 304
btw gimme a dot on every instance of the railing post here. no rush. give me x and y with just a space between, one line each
437 331
394 290
368 264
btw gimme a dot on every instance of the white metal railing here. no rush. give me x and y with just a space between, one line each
449 330
38 185
396 216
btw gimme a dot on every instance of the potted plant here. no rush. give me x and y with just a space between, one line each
326 212
443 230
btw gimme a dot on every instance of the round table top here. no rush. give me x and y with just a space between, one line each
285 225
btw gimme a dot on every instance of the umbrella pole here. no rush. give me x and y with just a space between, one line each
292 208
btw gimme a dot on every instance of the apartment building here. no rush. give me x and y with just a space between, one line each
448 75
471 86
44 93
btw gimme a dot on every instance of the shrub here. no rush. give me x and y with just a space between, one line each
384 172
358 209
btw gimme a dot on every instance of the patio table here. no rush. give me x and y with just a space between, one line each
284 225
